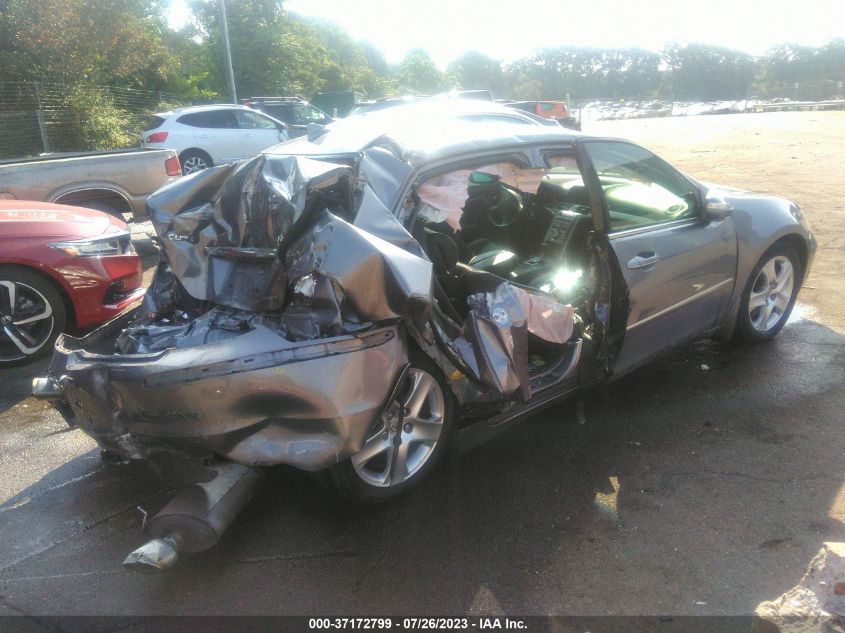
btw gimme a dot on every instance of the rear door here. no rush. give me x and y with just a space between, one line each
215 132
679 268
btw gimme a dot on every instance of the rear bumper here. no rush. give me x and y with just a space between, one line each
256 399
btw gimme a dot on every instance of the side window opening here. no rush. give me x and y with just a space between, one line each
509 219
503 222
214 119
303 114
640 189
251 121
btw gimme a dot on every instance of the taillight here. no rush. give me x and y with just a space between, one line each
157 137
172 166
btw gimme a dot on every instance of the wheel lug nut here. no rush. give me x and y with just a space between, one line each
408 427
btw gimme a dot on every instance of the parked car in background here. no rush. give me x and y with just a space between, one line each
294 112
556 110
478 95
60 266
337 104
391 102
204 136
384 103
424 111
117 182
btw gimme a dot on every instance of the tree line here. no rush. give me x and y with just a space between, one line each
128 43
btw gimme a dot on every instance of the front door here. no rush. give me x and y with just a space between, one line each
256 133
679 268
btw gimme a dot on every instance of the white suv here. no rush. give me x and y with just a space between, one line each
205 136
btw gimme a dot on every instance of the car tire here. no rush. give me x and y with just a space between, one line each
194 160
769 294
412 443
28 337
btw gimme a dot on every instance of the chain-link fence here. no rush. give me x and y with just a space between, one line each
44 117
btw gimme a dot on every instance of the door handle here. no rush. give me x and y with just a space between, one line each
643 260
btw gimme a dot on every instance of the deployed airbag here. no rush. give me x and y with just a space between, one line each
494 339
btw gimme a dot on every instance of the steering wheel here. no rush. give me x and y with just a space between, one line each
507 208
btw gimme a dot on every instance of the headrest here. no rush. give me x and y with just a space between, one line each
577 194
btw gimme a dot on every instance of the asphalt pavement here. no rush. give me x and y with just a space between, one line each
700 484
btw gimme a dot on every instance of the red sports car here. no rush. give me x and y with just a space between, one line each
60 266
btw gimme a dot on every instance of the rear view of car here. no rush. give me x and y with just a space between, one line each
205 136
60 266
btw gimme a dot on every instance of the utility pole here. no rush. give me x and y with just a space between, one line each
227 52
39 113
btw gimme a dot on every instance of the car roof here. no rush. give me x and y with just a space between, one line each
443 133
203 108
211 107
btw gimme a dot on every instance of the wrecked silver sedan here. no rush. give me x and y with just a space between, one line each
354 300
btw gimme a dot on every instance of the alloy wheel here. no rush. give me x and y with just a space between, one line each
193 164
26 320
771 293
403 440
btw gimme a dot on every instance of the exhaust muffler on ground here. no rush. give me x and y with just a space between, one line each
195 518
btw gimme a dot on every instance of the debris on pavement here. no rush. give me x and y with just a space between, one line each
814 604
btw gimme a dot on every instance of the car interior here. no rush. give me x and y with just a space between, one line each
484 224
535 238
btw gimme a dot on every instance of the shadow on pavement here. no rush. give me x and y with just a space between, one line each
17 381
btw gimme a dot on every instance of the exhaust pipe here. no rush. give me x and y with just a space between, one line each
195 518
46 388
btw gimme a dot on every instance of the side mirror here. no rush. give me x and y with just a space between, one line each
716 208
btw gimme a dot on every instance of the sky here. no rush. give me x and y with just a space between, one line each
511 29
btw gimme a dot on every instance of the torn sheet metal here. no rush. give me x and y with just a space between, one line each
382 168
248 395
494 339
378 280
376 218
272 331
221 228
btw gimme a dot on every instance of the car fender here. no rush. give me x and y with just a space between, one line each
759 222
49 272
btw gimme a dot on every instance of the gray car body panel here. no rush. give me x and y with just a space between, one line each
257 399
262 390
759 221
